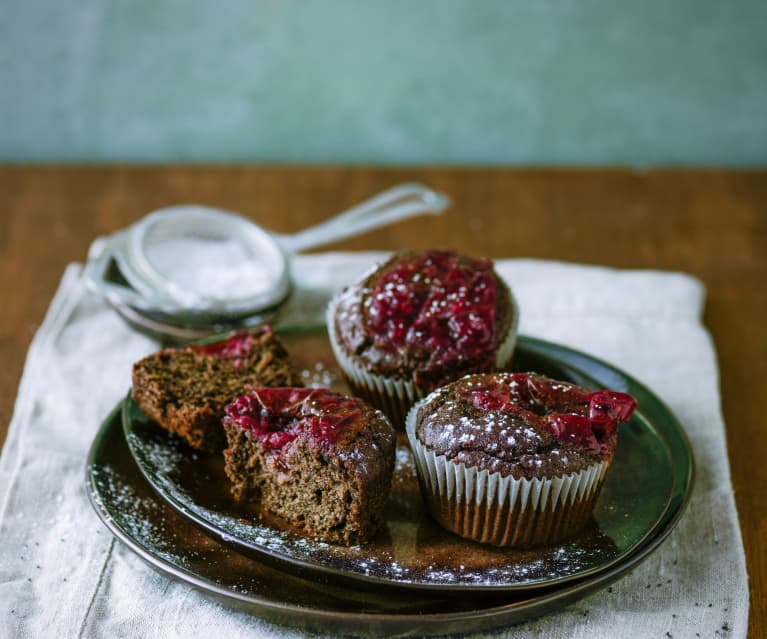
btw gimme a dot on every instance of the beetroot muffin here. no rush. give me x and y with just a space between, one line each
418 321
514 459
185 390
316 459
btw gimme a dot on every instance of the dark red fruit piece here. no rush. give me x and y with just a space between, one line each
611 405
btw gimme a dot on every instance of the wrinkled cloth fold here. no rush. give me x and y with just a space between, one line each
62 573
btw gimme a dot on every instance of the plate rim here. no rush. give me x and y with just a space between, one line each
561 355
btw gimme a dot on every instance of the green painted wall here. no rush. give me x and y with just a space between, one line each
391 81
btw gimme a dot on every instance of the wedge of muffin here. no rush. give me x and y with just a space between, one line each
315 458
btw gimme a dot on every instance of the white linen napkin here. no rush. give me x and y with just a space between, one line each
62 573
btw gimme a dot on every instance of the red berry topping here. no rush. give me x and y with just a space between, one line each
276 416
235 348
608 405
441 306
573 414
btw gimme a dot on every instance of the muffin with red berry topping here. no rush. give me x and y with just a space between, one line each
318 460
418 321
515 459
185 390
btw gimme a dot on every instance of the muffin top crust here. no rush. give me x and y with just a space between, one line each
522 424
427 316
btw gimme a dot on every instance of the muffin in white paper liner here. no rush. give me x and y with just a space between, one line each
395 395
490 508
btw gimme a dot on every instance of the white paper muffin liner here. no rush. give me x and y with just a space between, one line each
395 395
490 508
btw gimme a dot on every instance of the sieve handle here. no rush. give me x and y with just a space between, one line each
398 203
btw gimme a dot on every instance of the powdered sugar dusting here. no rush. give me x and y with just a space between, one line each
411 549
140 517
320 376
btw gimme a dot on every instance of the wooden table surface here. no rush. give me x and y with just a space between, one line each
710 223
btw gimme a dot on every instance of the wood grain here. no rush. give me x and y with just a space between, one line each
710 223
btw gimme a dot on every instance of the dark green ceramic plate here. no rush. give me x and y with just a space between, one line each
172 544
650 476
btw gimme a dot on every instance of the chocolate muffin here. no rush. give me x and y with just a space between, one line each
515 459
185 390
318 460
418 321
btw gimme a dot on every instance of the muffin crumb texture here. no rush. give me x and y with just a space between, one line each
320 461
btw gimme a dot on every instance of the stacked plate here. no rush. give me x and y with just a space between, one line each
171 505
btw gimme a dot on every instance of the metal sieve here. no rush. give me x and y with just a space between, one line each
184 271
